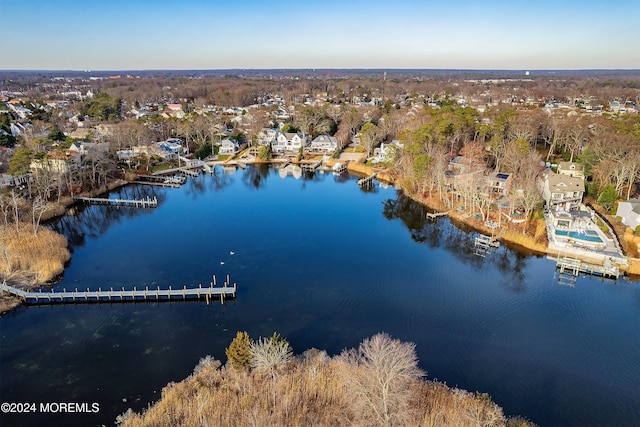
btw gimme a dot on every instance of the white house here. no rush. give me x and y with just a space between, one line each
629 211
267 136
7 180
288 143
229 146
386 152
324 144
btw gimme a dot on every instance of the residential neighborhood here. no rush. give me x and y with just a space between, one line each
492 150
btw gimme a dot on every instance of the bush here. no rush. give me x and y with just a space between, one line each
239 351
608 197
264 152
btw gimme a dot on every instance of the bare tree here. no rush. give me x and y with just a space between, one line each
369 137
525 180
334 112
269 354
38 207
388 366
15 202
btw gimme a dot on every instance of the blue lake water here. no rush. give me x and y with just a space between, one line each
325 264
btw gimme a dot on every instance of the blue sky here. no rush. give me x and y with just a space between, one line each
200 34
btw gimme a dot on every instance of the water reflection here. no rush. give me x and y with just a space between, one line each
219 180
255 177
86 220
434 233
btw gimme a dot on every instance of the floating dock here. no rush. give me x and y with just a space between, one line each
132 203
121 295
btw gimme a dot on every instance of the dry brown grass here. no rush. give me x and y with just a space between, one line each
8 302
533 238
29 258
312 390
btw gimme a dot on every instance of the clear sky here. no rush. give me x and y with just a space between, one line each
212 34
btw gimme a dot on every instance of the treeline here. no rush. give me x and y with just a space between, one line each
377 384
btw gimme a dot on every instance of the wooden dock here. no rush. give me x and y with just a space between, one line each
339 167
209 293
434 215
311 166
576 266
483 244
132 203
367 181
189 172
157 184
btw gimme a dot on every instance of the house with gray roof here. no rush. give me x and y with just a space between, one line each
571 169
324 144
629 211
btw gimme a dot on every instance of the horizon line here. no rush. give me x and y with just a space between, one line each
313 69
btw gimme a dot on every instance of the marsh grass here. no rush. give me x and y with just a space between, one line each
29 258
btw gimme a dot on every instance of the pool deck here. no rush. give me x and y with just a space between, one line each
590 252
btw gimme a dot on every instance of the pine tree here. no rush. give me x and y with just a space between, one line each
239 352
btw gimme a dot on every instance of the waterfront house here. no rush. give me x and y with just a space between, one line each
173 145
499 184
289 143
229 146
463 173
629 211
55 162
267 136
562 191
386 152
324 144
126 155
6 180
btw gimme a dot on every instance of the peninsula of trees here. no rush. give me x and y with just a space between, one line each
263 383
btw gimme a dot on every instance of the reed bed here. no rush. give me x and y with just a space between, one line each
31 258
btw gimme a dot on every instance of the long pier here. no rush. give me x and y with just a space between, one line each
135 203
121 295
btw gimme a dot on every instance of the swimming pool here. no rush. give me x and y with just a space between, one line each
587 236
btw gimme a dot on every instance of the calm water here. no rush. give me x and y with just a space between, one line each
326 265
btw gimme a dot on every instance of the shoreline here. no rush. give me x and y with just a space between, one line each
513 236
10 302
